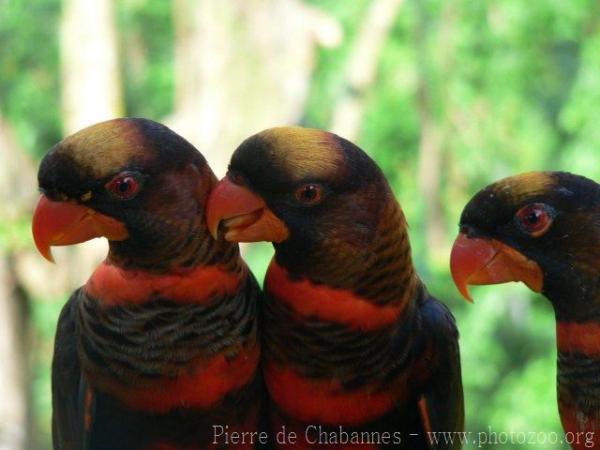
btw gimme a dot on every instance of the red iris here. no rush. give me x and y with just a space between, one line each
535 219
124 186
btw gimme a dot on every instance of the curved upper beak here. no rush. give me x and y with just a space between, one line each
63 223
488 261
242 215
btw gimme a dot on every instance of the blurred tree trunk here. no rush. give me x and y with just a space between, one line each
91 92
17 191
362 67
241 67
432 102
16 428
91 84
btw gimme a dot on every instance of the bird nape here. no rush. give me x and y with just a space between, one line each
353 341
161 344
543 228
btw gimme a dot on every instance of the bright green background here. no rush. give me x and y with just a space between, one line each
520 91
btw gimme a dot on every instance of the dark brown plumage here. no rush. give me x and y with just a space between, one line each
161 343
543 228
352 337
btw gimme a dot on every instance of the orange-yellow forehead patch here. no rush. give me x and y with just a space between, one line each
104 148
304 152
526 185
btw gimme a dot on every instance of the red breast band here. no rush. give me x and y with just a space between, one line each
577 337
335 305
202 387
114 286
326 402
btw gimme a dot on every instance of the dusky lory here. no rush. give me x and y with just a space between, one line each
161 344
543 228
353 341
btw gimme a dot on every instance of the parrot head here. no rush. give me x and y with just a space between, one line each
133 181
541 228
305 190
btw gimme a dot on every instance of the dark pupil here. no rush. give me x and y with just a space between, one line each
124 185
310 193
533 217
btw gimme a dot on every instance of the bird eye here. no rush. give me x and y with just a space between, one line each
124 186
534 219
309 194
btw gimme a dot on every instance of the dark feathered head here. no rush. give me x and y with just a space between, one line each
542 228
133 181
324 203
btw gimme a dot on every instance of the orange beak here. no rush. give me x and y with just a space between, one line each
62 223
242 215
487 261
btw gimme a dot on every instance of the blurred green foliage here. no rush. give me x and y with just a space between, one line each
513 86
29 71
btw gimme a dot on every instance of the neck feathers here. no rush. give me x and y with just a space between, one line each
174 244
378 269
367 291
389 275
